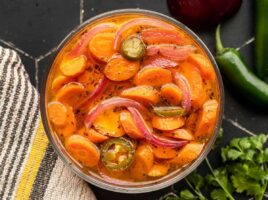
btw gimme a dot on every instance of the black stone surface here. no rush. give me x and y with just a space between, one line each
36 27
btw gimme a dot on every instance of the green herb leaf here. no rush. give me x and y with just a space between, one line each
245 184
218 194
196 179
187 194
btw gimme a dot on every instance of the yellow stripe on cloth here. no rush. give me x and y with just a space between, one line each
33 162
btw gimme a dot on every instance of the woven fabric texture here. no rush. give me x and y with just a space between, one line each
29 168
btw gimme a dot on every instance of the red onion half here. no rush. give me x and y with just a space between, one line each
203 13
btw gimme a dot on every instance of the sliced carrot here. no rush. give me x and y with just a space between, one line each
195 81
172 93
158 170
191 121
210 89
71 94
70 126
206 120
121 69
204 65
74 67
59 82
142 93
92 135
129 126
164 152
167 123
90 78
188 153
101 46
108 123
143 161
153 76
181 134
161 36
82 150
57 113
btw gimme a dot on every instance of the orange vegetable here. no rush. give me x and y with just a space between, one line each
182 134
71 94
195 81
70 126
142 93
108 123
92 135
207 119
82 150
191 121
203 64
167 123
88 78
164 152
74 67
121 69
188 153
172 93
158 170
59 82
143 161
161 36
129 126
101 46
153 76
57 113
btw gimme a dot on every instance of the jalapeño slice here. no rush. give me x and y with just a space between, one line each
117 154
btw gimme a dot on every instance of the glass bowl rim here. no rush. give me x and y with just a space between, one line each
109 186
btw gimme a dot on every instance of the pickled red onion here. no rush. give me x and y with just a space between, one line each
152 138
110 103
140 22
183 84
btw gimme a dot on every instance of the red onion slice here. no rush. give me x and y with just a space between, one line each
103 83
156 140
81 45
183 84
160 62
171 51
140 22
110 103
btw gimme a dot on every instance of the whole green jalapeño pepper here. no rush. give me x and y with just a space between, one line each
237 73
261 38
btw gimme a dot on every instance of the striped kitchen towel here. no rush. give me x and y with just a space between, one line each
29 168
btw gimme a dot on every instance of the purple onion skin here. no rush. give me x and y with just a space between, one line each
200 14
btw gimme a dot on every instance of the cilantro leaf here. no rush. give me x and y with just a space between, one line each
196 179
218 194
230 154
187 194
245 184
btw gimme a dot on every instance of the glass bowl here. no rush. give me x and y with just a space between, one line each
90 176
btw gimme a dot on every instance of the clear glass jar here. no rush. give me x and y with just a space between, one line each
94 178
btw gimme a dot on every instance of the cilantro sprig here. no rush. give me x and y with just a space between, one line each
244 170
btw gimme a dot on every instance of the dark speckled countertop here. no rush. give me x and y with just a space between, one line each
34 28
